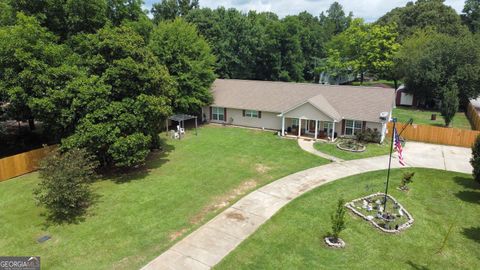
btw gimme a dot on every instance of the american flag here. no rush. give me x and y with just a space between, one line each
398 146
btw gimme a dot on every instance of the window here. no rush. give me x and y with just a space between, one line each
352 127
218 113
251 113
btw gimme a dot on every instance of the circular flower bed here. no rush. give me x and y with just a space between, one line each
335 244
351 146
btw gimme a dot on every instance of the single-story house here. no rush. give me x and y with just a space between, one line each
300 109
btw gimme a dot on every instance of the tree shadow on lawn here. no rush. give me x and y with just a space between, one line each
78 217
472 233
472 195
155 159
469 196
467 182
417 266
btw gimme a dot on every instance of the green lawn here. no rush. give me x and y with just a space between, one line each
293 238
376 83
373 149
138 216
422 117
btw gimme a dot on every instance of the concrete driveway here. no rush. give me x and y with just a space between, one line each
450 158
210 243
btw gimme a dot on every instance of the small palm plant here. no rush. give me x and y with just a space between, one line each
338 220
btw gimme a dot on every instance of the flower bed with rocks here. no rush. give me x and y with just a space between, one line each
351 146
393 219
338 243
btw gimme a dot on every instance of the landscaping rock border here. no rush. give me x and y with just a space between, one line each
351 150
339 244
402 227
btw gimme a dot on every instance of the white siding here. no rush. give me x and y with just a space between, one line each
268 120
235 117
406 99
308 111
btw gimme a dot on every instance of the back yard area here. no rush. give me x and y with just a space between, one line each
422 117
138 215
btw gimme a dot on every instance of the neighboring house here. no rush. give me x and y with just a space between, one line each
325 78
300 109
403 98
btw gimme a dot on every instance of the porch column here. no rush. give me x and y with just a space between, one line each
333 131
283 126
299 127
316 129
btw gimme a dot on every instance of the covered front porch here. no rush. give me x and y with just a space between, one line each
315 118
308 128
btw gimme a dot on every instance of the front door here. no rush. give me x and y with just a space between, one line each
311 126
329 127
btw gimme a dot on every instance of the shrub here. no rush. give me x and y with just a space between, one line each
368 135
475 160
449 103
130 151
64 185
407 178
338 219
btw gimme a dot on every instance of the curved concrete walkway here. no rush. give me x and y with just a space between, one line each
210 243
307 145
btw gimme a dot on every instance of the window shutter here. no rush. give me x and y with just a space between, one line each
259 114
243 112
364 125
225 114
343 127
211 114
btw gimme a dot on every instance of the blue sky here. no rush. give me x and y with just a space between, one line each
370 10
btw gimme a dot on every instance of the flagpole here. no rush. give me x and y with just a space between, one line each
394 120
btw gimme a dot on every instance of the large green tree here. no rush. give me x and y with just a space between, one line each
423 14
471 15
170 9
85 16
260 45
189 60
429 61
123 104
50 13
7 13
30 63
68 17
293 60
119 11
231 36
335 21
364 48
268 56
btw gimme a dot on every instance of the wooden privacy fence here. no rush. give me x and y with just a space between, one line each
472 115
22 163
437 135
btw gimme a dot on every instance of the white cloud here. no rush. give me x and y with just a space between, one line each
370 10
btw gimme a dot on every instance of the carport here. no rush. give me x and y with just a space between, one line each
181 118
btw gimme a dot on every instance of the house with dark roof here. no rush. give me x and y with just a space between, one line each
301 109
